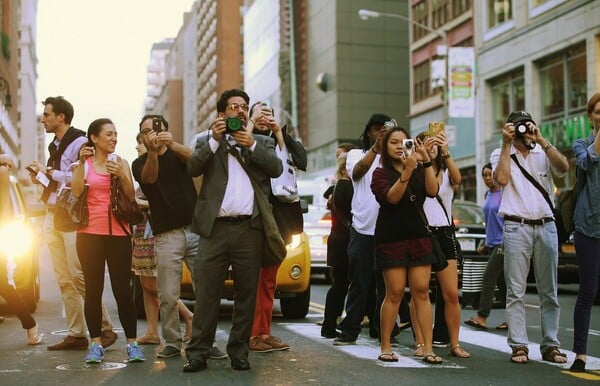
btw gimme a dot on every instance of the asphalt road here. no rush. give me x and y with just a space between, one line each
311 359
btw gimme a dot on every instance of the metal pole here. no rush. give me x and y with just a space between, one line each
293 91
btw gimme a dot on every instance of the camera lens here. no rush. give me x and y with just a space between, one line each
521 129
233 124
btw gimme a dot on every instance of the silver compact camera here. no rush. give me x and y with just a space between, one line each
409 145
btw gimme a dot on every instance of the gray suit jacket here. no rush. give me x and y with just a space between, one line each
262 164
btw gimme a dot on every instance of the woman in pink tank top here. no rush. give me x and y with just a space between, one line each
105 241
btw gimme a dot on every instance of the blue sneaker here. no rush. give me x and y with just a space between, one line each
134 353
96 354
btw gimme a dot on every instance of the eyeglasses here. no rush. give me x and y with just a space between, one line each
235 106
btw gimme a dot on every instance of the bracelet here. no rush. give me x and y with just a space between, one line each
427 164
253 123
547 147
373 150
446 156
403 181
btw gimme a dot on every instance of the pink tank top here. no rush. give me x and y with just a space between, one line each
98 200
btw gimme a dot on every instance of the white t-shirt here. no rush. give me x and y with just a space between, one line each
364 206
519 197
433 209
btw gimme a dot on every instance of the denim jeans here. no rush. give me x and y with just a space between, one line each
493 269
588 260
524 244
172 248
360 273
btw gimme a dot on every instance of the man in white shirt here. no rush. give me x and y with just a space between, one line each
529 233
360 164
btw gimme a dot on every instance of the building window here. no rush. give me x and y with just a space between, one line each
422 81
499 11
563 83
421 16
459 7
440 11
508 94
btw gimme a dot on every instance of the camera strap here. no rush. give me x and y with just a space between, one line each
534 182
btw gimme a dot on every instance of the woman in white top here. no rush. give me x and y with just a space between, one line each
439 216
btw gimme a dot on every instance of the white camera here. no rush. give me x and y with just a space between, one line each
409 145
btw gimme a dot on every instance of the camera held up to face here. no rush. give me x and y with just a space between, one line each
409 145
157 125
232 124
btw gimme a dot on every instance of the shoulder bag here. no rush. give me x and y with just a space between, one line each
560 227
124 209
71 212
440 258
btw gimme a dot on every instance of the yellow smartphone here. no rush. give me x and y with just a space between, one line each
435 128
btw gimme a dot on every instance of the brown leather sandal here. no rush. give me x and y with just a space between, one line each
551 353
520 351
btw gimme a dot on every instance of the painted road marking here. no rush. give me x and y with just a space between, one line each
366 348
369 349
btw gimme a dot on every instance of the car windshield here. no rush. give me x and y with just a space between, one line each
467 213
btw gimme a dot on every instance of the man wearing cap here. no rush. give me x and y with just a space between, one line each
360 164
529 233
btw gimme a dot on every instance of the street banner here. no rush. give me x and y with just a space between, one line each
461 74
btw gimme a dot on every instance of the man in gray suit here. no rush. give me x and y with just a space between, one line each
228 222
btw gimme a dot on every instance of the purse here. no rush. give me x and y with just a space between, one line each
440 262
124 209
274 249
70 212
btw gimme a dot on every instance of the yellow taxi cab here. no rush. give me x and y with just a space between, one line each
293 280
20 240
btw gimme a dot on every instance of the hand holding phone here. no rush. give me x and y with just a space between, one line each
157 125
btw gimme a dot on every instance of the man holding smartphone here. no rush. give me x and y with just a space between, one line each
64 151
161 173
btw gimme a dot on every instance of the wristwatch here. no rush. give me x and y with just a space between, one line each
547 147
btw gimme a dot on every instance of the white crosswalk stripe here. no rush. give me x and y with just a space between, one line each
369 348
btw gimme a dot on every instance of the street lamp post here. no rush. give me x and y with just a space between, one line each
366 14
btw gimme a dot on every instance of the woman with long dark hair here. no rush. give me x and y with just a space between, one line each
402 245
105 240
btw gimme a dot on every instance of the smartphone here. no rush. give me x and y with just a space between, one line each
435 128
157 125
112 157
409 145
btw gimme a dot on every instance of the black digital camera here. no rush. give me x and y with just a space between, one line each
521 129
232 124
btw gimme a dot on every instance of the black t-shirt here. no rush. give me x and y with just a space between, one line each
341 213
172 197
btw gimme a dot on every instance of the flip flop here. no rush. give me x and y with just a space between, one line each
35 340
387 357
476 324
502 326
432 359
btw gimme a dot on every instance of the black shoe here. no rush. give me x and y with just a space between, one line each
70 343
344 340
193 365
329 334
240 364
169 352
578 366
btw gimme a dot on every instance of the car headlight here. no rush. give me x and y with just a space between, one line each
295 243
15 239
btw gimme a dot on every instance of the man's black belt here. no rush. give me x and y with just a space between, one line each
234 218
527 221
